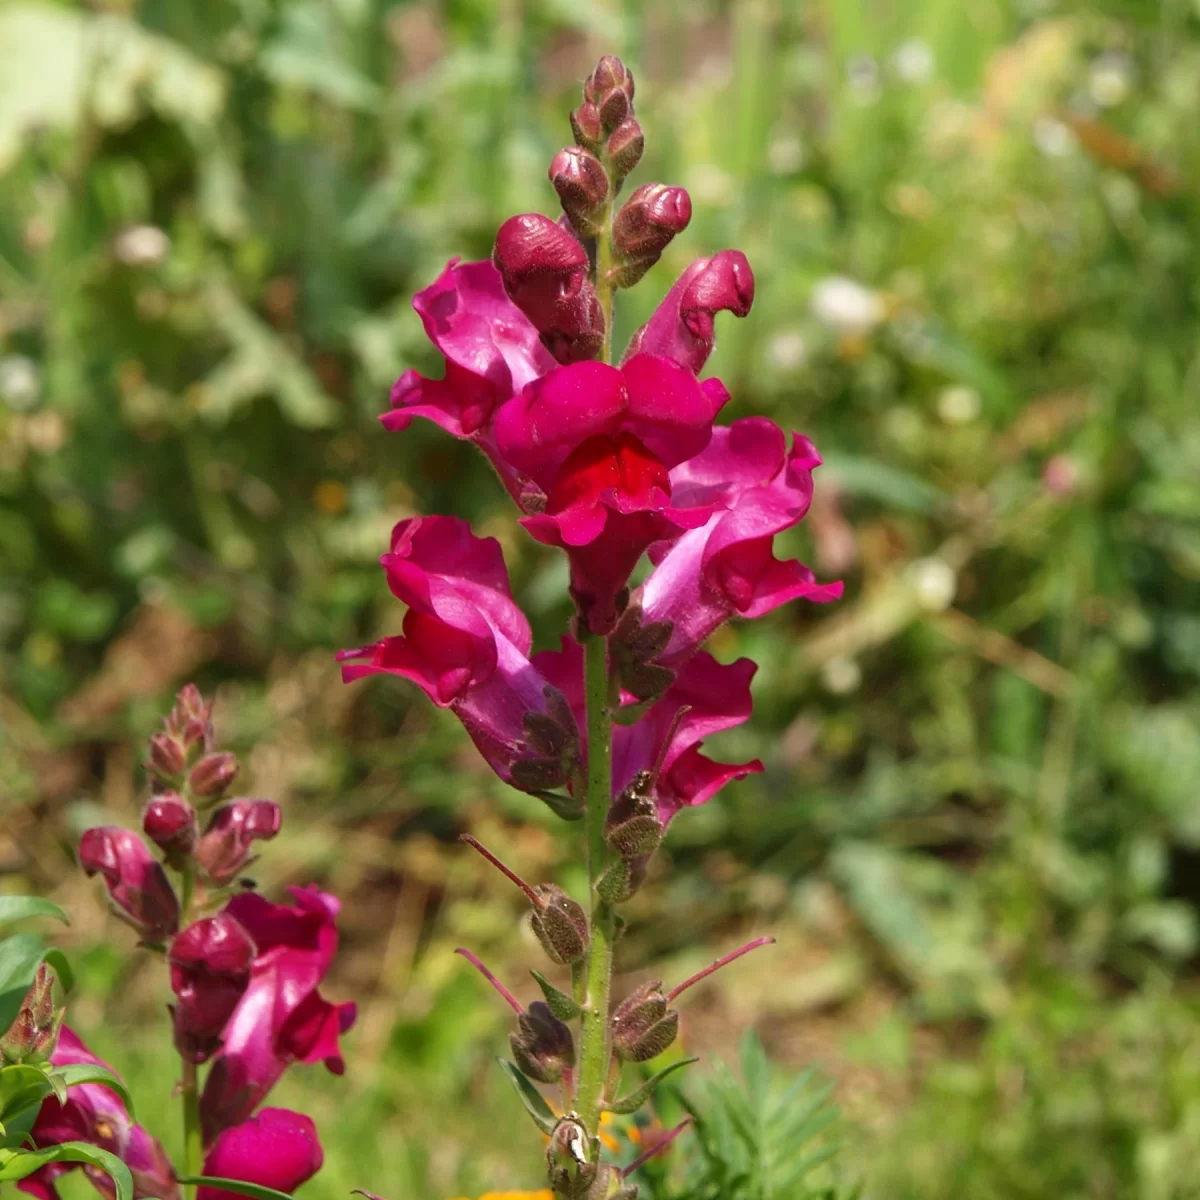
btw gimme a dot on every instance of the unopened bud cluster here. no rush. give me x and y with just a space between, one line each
31 1038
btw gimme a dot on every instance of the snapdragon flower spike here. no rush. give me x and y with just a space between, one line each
281 1017
491 351
224 849
757 487
683 327
93 1113
466 645
600 442
275 1148
210 971
138 888
546 275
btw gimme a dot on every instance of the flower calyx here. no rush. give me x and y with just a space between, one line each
634 647
552 739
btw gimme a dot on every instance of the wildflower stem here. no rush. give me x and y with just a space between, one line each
594 1041
193 1147
724 961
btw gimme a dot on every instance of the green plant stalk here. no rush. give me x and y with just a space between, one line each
594 1051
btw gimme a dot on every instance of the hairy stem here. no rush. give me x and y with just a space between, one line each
594 1048
189 1088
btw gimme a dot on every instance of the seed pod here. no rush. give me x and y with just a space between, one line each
561 925
542 1045
642 1025
632 827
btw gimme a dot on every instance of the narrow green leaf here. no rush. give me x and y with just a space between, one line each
17 1164
77 1073
535 1104
255 1190
20 908
559 1003
635 1099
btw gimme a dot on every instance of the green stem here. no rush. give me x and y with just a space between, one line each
594 1052
604 288
193 1142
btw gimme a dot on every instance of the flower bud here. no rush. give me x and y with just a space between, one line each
190 720
624 149
210 970
632 827
224 849
570 1159
169 821
545 273
561 925
682 327
542 1047
137 885
587 127
642 1025
167 759
609 89
651 217
582 187
211 776
34 1033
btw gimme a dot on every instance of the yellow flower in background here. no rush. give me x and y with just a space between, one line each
544 1194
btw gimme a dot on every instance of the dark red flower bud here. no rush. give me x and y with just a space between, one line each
169 821
34 1033
167 759
137 885
624 148
642 1025
545 273
610 89
587 127
560 924
682 327
224 849
210 970
651 217
582 187
542 1047
211 776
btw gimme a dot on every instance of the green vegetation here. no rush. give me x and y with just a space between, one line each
978 835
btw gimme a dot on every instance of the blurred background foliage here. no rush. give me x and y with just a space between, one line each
976 233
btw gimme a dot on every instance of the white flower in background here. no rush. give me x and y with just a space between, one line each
934 582
846 305
788 349
959 405
1111 79
20 382
912 60
841 676
1052 138
141 246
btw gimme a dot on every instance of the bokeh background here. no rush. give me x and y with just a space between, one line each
976 232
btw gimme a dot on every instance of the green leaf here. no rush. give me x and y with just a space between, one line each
17 1164
535 1104
256 1190
22 1088
77 1073
638 1097
559 1003
20 908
